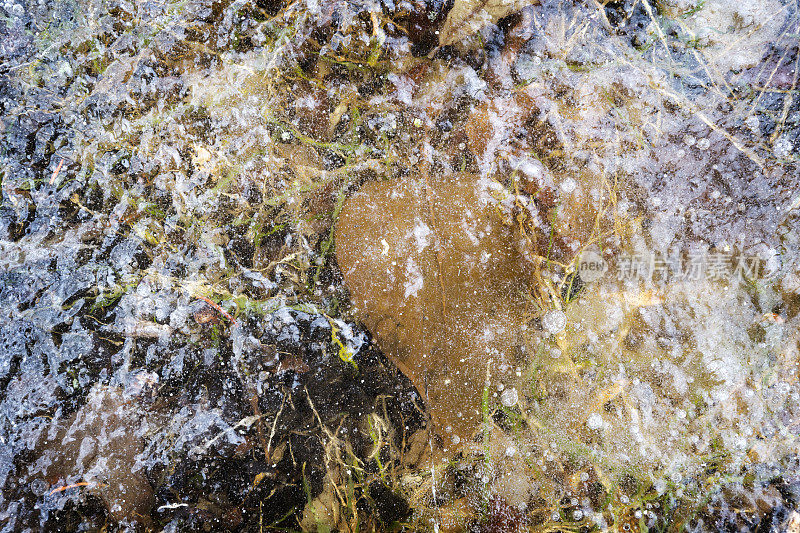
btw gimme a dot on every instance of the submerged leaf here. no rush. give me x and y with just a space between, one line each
470 16
438 278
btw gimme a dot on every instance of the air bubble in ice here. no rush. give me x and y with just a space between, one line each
554 321
509 397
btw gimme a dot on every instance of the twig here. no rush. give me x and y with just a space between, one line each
275 423
787 103
333 440
218 308
777 67
56 171
75 485
738 144
603 17
661 35
244 422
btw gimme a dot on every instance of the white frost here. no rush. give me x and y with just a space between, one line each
421 233
415 281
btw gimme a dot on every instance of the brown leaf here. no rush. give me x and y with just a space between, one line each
99 443
470 16
438 279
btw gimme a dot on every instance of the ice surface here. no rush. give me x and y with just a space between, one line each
200 204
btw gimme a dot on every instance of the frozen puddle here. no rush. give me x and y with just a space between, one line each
334 265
